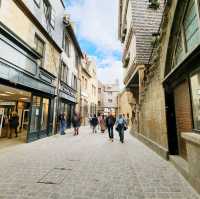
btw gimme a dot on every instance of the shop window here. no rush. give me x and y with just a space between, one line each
40 48
35 114
195 87
191 26
44 114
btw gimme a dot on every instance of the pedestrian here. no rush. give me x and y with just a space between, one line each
102 123
94 123
121 126
110 122
14 123
76 121
62 120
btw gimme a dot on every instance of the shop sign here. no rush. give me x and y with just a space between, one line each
7 103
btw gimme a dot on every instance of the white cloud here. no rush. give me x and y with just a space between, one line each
98 23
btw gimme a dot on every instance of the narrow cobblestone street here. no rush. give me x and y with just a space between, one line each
88 167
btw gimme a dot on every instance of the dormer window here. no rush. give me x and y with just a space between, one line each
155 4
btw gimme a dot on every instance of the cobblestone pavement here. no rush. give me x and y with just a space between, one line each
88 166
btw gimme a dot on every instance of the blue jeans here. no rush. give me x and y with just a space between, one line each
110 132
62 127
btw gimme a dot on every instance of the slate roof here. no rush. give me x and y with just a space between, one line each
146 21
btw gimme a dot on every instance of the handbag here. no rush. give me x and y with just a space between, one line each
125 128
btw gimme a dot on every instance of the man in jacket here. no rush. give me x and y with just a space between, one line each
110 122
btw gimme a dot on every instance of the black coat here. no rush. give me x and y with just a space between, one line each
110 121
94 121
14 121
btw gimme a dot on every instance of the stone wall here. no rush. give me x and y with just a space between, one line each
152 120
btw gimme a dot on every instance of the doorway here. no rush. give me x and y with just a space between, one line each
13 102
171 123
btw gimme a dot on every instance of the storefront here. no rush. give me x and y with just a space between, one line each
182 78
67 103
33 111
25 88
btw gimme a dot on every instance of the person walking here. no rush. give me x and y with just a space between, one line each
110 122
94 123
14 123
121 125
76 121
102 123
62 120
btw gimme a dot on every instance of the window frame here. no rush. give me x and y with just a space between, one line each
193 73
37 3
44 48
64 73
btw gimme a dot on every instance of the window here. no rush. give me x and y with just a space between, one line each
179 51
191 26
44 114
77 60
40 48
110 100
195 88
53 18
35 114
110 93
99 90
67 45
74 82
37 2
64 73
47 9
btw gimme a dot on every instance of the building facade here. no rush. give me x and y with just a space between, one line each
40 58
85 76
89 97
168 103
93 88
30 60
69 86
100 105
110 94
125 101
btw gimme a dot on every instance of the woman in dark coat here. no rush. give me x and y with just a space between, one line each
76 121
14 123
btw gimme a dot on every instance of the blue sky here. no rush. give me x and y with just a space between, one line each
96 29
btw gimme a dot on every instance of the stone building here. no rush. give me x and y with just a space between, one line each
30 48
89 97
93 87
168 103
69 84
40 59
125 103
100 106
110 94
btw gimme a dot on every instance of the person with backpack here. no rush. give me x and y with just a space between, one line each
121 126
110 122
